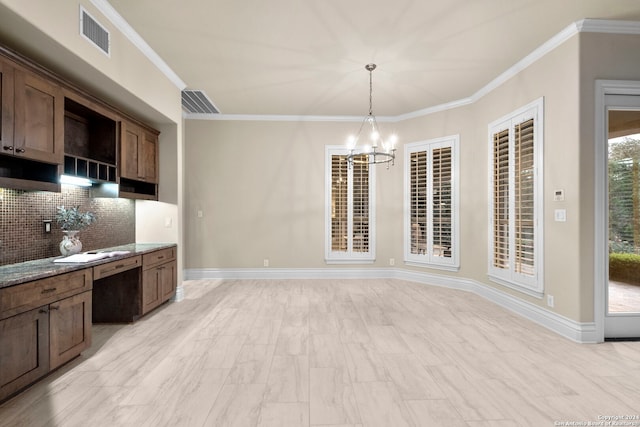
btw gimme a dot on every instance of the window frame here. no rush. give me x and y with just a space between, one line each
349 256
529 284
429 258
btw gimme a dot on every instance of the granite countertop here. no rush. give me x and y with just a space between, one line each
15 274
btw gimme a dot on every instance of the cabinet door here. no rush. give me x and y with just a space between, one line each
39 119
168 280
24 350
138 153
151 291
6 108
130 140
148 161
70 325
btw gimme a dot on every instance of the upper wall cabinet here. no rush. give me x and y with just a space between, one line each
6 104
90 140
39 117
138 161
49 126
31 132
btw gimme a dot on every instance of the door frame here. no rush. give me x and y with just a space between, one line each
601 205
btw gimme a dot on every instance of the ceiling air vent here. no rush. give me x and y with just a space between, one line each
93 31
196 102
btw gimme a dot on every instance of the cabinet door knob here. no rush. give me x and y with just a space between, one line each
43 310
20 150
7 147
54 307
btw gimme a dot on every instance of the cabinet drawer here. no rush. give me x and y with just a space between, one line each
158 257
30 295
115 267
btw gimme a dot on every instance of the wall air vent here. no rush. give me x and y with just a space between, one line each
197 102
93 31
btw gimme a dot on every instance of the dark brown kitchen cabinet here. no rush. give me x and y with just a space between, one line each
49 126
24 350
158 285
138 153
6 105
159 278
32 115
43 324
70 328
138 161
39 118
151 293
31 131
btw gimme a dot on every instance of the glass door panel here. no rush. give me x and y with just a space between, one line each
622 318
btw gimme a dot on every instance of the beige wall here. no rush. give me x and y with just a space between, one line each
260 188
260 185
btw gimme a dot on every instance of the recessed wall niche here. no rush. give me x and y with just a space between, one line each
22 236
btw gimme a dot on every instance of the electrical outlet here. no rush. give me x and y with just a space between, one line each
392 261
550 300
265 262
199 213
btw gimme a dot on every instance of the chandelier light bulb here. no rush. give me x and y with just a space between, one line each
393 140
351 142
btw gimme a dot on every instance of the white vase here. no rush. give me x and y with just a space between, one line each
70 243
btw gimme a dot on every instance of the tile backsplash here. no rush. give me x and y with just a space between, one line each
22 235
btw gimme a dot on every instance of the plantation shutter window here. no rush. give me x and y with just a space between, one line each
418 202
431 236
516 186
524 199
501 200
360 233
350 235
339 204
441 218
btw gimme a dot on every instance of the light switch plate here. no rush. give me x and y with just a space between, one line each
560 215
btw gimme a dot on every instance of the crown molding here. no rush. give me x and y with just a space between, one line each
282 118
123 26
609 26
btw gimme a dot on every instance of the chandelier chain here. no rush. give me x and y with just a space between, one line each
370 92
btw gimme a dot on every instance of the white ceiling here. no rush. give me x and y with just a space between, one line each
307 57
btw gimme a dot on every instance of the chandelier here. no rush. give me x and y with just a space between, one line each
377 150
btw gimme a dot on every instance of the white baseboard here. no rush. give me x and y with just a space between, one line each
582 332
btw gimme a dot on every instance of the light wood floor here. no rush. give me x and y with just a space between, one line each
332 353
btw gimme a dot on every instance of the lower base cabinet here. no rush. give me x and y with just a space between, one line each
34 338
158 285
47 322
24 350
125 290
70 328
